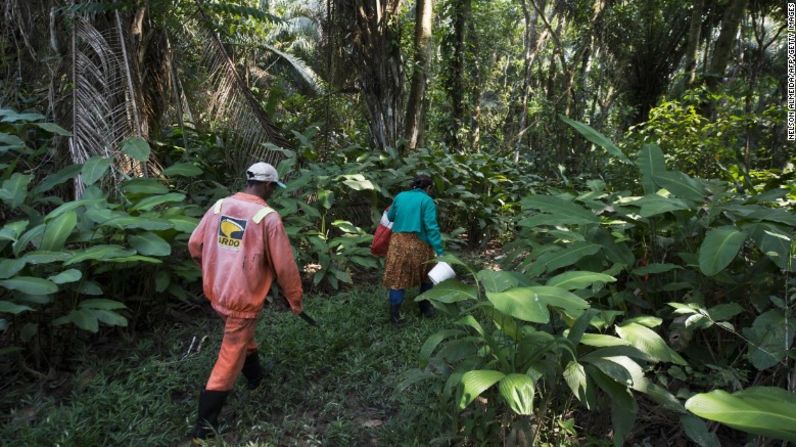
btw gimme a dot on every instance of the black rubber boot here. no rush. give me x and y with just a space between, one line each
395 315
427 309
210 403
252 370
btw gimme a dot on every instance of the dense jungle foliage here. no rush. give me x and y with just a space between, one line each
615 188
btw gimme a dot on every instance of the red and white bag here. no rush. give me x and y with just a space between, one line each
381 238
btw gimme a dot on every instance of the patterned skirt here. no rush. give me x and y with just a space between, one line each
407 262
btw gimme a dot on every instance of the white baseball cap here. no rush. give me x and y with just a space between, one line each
263 172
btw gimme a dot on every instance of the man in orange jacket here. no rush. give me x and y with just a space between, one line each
242 246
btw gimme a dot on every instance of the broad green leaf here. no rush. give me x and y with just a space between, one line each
681 185
567 211
697 431
615 371
647 341
89 287
12 308
476 382
28 331
70 206
602 340
578 279
31 236
562 258
150 244
623 405
46 257
11 231
85 319
597 138
146 186
357 182
654 204
433 341
651 163
775 215
54 128
186 224
10 142
133 222
99 252
724 311
518 391
497 281
769 339
645 320
94 169
522 303
57 178
136 148
12 116
14 190
413 376
10 267
766 411
57 231
136 259
67 276
30 285
153 201
101 303
575 376
451 291
110 317
654 269
773 242
572 304
182 169
720 247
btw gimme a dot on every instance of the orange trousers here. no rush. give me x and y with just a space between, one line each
238 342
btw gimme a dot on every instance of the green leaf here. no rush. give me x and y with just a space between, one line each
572 304
182 169
10 142
28 331
110 318
769 339
94 168
578 279
12 116
45 257
655 204
681 185
10 267
566 211
647 341
133 222
58 230
451 291
651 163
562 258
57 178
723 312
623 405
476 382
30 285
697 431
766 411
357 182
101 303
136 148
596 138
433 341
70 206
720 247
186 224
146 186
150 244
162 281
89 287
33 235
14 190
99 252
67 276
518 391
153 201
11 231
54 128
497 281
575 376
85 319
602 340
654 269
11 308
773 242
522 303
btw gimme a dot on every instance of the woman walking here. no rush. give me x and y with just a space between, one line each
415 241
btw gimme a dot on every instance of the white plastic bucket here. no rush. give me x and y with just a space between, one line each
441 272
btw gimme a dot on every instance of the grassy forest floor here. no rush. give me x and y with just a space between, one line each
333 385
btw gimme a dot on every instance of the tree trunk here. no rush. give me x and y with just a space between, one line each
415 111
456 73
721 52
694 36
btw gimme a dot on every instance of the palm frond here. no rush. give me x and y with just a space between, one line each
305 77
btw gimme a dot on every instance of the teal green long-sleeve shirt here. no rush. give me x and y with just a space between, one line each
414 211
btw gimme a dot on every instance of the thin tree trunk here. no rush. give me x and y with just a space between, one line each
721 52
415 112
456 84
694 36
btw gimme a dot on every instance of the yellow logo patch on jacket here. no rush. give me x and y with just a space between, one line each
230 232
